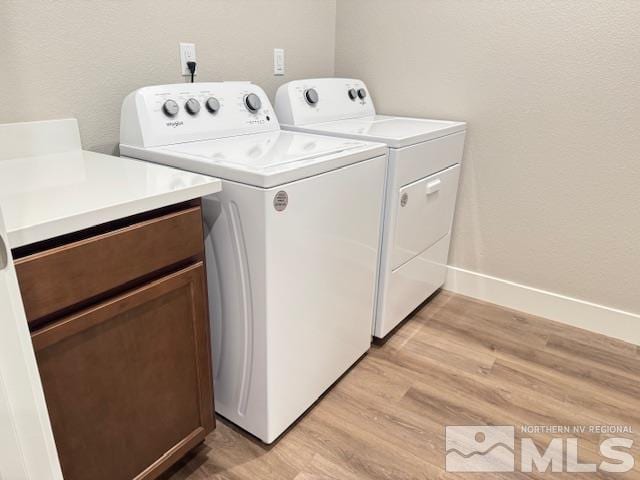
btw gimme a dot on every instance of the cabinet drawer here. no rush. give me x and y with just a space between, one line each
128 382
59 278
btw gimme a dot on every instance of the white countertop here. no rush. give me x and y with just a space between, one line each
46 195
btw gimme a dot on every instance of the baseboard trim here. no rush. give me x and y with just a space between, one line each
571 311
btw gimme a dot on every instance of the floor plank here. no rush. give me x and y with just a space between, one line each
457 361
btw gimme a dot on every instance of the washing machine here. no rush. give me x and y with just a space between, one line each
421 184
292 242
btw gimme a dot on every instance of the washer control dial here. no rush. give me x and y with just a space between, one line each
192 106
170 108
252 102
311 96
353 93
212 104
362 93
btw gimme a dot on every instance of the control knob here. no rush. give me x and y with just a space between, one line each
362 93
192 106
353 93
252 102
311 96
170 108
213 105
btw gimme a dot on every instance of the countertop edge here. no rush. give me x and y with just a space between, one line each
73 223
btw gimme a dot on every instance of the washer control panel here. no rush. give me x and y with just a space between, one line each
186 112
303 102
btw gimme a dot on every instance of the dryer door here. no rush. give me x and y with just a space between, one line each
424 214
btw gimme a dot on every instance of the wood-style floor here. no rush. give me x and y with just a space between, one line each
456 362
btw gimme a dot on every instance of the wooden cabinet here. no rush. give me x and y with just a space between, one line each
127 377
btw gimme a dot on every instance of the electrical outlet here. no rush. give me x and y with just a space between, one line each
187 54
278 61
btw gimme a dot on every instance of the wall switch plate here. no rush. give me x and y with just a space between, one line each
187 54
278 61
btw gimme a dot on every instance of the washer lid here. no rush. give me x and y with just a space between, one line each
265 159
396 132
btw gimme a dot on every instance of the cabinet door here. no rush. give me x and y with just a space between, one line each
128 382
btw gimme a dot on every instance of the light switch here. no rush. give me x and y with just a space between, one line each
278 61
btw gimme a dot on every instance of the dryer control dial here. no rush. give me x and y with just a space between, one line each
170 108
362 93
252 102
311 96
353 93
192 106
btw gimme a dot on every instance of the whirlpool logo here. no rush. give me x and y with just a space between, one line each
175 124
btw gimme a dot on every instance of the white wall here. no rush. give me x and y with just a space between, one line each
550 195
79 58
551 90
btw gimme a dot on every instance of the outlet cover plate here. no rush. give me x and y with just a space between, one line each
187 54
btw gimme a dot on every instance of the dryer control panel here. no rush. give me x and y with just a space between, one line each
187 112
303 102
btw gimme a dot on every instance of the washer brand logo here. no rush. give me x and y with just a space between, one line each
175 124
480 449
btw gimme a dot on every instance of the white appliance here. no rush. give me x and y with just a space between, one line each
292 242
27 447
422 184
